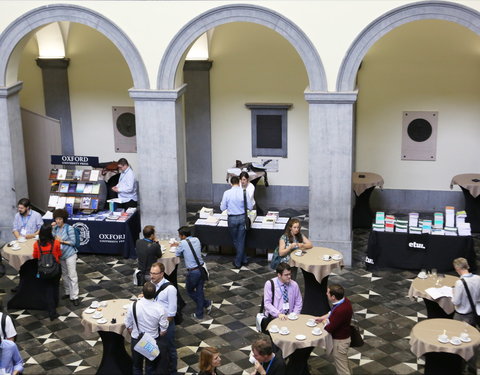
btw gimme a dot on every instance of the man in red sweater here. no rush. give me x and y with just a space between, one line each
337 323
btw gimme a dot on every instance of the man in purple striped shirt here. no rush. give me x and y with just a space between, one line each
287 298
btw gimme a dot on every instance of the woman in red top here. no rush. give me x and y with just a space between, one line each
47 243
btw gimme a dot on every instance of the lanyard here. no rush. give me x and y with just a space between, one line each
338 304
24 223
269 364
148 239
122 175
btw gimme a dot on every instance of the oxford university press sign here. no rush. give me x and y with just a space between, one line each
91 161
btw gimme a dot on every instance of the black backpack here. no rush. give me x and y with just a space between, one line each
48 267
178 316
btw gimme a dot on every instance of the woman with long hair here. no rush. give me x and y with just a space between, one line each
209 361
47 243
291 240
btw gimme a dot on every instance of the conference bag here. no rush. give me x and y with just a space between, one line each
146 345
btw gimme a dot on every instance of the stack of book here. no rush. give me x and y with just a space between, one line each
427 226
413 219
438 220
464 229
449 216
401 226
380 218
450 231
378 227
461 216
415 230
389 223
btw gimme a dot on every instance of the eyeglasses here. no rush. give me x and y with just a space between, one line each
155 273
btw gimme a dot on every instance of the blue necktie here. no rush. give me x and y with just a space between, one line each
285 297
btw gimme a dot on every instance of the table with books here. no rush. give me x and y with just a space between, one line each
363 185
108 319
316 264
470 185
438 300
297 337
30 293
444 342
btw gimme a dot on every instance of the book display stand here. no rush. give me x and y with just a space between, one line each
77 190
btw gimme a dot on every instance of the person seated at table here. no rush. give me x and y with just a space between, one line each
287 299
337 323
10 359
210 359
151 318
148 251
46 244
292 240
65 234
266 360
26 222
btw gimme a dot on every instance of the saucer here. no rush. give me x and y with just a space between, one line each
298 253
16 248
336 257
102 321
97 316
284 333
316 334
300 337
444 341
455 342
326 259
95 304
89 311
292 317
466 339
271 330
311 324
424 276
22 240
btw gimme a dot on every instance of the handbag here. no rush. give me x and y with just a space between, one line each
48 267
202 267
248 222
472 305
138 277
356 339
146 345
276 259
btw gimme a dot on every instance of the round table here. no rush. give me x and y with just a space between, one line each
363 185
315 272
17 257
299 350
115 359
470 185
168 259
436 308
439 357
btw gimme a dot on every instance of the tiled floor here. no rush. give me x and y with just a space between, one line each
384 312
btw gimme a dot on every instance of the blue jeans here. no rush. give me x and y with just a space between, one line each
236 227
194 287
172 349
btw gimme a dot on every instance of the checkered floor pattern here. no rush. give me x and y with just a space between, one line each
385 314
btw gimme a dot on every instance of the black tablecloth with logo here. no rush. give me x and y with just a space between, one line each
108 237
417 251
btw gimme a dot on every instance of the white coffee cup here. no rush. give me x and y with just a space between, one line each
443 337
274 328
311 322
95 304
284 330
292 315
316 330
22 239
326 257
464 336
103 304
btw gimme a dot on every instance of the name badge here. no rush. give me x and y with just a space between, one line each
23 232
286 306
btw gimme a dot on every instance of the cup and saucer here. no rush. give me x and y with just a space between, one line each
455 340
97 315
443 339
292 316
326 257
274 329
16 247
422 275
298 253
336 257
465 337
300 337
284 331
102 321
316 331
89 310
95 305
22 239
311 323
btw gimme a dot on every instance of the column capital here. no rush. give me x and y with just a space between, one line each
56 63
323 97
8 91
202 65
157 95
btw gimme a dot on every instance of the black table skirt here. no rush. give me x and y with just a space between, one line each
472 207
362 216
443 364
434 311
256 238
31 291
315 301
115 359
403 251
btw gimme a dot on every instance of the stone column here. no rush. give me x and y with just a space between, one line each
198 133
161 161
13 179
331 117
57 98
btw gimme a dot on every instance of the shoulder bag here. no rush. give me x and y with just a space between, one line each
472 305
248 223
356 339
146 345
202 267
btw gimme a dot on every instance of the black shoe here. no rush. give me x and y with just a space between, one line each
66 296
14 290
75 302
53 317
235 266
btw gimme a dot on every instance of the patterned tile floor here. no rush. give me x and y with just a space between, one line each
384 312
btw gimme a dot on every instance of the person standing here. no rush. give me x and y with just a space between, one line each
234 202
65 234
26 222
48 244
267 362
194 280
247 186
10 359
127 185
151 319
148 251
337 323
167 298
463 308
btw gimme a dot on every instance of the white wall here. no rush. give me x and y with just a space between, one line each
31 95
253 64
421 66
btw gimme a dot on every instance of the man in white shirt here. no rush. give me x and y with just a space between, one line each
463 309
152 319
167 298
7 328
127 185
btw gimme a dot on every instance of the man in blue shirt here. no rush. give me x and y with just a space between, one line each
27 222
10 360
194 280
127 186
233 202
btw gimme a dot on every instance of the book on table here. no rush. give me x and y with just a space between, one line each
80 187
62 174
63 187
72 188
94 174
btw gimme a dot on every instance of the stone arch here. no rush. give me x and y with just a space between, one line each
241 13
382 25
38 17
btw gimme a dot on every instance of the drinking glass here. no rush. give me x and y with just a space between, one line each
434 272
